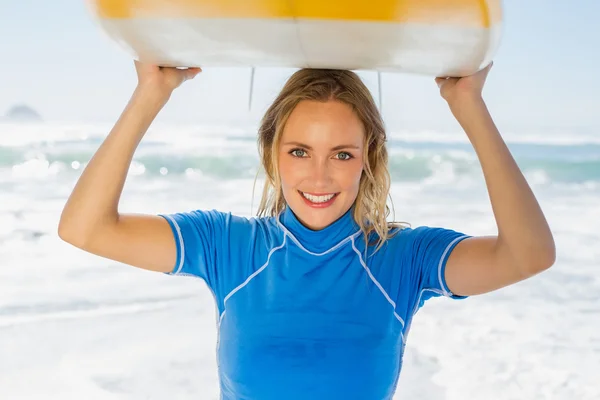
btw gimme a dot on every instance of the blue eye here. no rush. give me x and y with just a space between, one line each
345 156
298 153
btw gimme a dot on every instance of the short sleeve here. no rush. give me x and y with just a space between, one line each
218 247
430 250
199 238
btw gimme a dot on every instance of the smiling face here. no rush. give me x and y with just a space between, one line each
320 159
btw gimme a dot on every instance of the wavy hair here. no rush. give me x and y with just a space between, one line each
370 207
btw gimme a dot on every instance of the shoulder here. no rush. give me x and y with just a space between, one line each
239 227
396 235
409 239
212 221
409 233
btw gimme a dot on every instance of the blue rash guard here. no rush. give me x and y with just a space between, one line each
306 314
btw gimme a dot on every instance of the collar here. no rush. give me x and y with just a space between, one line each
319 241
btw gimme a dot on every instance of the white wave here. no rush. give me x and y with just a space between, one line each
537 339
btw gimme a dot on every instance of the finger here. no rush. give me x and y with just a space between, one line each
484 71
441 81
190 73
488 68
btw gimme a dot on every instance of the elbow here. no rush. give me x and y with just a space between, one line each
70 234
79 233
531 258
539 262
67 235
541 267
548 256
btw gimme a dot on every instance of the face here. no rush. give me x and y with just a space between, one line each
321 161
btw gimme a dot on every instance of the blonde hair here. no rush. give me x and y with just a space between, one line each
370 207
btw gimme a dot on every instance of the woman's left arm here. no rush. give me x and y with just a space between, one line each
524 245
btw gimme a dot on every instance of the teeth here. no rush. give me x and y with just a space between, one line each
318 199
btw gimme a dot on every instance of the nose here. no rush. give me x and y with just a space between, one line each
321 173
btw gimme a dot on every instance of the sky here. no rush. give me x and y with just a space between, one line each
54 57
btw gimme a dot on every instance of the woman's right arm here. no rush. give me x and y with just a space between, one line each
90 219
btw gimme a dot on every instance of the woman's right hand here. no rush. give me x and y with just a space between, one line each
162 79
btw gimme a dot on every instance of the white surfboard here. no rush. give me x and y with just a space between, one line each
432 37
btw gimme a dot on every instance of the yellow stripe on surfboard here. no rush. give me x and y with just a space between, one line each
464 13
434 37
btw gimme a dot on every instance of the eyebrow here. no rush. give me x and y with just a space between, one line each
340 147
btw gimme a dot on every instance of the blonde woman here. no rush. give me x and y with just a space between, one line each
316 294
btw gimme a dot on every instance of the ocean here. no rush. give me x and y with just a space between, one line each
76 326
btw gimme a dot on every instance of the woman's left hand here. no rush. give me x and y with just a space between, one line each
468 88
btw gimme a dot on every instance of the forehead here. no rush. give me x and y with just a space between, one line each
327 123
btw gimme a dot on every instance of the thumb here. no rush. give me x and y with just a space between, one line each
190 73
441 81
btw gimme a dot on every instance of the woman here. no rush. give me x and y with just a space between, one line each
316 295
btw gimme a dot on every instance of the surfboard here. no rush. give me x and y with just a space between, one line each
432 37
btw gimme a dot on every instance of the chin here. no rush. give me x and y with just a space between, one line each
318 210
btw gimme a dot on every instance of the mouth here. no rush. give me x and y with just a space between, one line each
320 200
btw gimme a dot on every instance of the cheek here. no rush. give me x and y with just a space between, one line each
348 178
287 173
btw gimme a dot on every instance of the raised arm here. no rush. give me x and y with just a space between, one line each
90 219
524 245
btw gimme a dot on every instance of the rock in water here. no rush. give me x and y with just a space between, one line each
23 113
